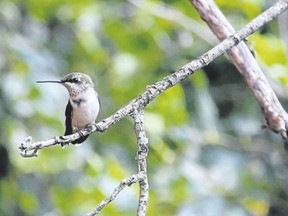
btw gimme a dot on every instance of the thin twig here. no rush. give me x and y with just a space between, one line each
125 182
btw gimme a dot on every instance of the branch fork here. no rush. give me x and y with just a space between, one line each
140 176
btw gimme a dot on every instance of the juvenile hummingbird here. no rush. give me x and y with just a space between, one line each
83 104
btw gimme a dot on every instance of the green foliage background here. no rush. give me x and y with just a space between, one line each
208 155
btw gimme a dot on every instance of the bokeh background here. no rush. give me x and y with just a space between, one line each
208 154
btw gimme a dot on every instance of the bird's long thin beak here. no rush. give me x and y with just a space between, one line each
50 81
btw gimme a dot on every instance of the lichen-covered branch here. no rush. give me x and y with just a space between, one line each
240 55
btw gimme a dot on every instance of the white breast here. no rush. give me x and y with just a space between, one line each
85 109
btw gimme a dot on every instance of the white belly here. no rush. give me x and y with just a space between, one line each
86 111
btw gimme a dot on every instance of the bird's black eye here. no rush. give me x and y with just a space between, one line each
74 80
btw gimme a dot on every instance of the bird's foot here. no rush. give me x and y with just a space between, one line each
100 128
89 127
64 143
80 133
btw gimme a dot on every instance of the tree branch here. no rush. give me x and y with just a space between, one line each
141 175
283 28
278 121
240 55
141 159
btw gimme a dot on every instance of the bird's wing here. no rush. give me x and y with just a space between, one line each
68 121
68 124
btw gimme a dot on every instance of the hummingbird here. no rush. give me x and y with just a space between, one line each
83 105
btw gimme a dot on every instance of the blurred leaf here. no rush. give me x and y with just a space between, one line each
256 207
269 48
171 106
34 93
28 203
